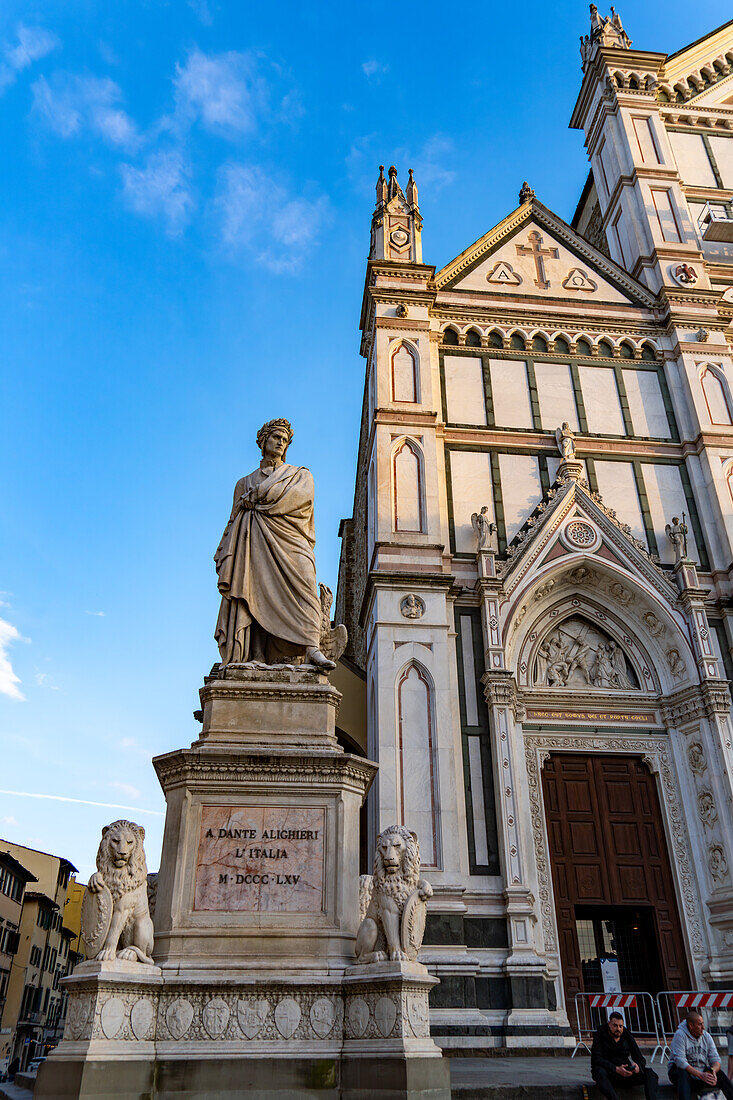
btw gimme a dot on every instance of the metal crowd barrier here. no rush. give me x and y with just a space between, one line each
716 1007
638 1009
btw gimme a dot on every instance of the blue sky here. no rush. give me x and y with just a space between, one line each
185 203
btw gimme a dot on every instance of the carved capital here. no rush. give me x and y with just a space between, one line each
716 697
500 689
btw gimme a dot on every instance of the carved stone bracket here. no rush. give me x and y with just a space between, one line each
689 705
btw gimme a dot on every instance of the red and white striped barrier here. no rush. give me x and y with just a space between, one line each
613 1000
703 1000
717 1003
640 1017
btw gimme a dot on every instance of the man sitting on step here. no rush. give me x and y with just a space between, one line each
616 1061
694 1062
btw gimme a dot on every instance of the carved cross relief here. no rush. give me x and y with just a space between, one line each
535 249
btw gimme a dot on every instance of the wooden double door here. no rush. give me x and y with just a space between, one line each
611 874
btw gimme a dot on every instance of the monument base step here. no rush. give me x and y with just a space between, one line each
353 1078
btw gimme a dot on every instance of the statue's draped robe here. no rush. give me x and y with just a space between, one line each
266 566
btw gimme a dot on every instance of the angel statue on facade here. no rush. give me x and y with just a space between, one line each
483 528
677 535
566 442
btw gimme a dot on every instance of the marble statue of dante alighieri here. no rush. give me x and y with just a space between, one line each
270 608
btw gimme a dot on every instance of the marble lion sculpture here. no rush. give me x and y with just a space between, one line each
392 900
116 920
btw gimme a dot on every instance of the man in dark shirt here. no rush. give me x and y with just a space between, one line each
616 1061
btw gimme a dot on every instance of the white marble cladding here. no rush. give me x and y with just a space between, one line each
415 706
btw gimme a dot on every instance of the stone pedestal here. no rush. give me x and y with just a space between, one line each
260 855
254 993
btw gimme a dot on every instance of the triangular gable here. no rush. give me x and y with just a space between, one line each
567 501
535 253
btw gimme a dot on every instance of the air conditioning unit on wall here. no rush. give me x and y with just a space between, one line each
715 224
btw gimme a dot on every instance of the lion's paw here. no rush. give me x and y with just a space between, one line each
398 955
379 956
107 954
127 954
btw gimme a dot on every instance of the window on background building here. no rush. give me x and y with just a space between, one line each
605 349
647 352
715 397
495 340
450 336
626 351
473 338
517 342
539 344
562 347
583 347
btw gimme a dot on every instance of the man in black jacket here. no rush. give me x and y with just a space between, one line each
616 1061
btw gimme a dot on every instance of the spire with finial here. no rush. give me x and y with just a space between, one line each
525 193
381 186
605 30
396 223
411 190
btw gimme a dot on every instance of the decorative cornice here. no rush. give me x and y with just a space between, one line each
688 706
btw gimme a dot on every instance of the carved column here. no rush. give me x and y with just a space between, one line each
525 966
701 735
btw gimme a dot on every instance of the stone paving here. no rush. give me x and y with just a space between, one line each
538 1078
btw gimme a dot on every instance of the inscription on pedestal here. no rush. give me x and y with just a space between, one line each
261 859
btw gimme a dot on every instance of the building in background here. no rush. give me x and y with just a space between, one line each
14 879
34 1003
551 713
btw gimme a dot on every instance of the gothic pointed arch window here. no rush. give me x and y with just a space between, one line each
405 382
473 338
716 396
417 764
407 487
495 339
450 336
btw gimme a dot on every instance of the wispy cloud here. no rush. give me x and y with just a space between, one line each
125 788
374 70
227 92
259 216
72 104
98 614
160 189
8 680
9 820
202 10
31 44
83 802
430 162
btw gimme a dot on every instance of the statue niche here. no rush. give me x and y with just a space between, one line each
576 653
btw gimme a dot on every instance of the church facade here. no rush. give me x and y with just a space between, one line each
536 577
